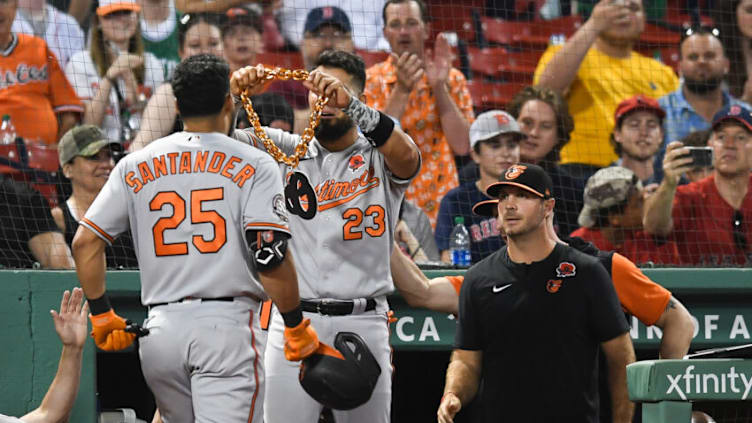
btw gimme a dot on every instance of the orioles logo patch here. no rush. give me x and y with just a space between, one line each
553 285
515 171
356 162
566 270
502 119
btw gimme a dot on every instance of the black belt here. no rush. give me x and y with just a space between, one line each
335 307
226 299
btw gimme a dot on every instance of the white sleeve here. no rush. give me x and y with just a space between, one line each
108 214
154 71
75 71
284 140
264 208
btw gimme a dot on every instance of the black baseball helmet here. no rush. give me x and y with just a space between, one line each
344 378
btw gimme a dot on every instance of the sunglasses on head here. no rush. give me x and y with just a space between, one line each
740 238
699 30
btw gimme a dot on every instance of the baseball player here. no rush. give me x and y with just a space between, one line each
210 229
344 199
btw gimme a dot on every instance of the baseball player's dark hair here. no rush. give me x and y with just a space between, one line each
421 5
200 85
189 20
564 121
351 63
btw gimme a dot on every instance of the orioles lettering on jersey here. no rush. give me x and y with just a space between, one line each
333 193
24 74
189 162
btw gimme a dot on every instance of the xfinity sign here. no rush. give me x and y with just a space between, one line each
689 380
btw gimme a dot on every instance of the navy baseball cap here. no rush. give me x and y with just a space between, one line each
736 113
527 176
328 15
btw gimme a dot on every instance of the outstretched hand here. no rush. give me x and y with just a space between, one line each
71 322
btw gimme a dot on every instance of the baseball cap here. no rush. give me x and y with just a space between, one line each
606 188
638 102
527 176
109 6
492 123
734 112
242 15
485 207
84 140
328 15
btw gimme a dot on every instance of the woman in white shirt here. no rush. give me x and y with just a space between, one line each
115 77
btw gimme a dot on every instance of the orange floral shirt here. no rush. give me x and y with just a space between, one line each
438 173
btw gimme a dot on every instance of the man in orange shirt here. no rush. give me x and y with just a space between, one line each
33 89
429 98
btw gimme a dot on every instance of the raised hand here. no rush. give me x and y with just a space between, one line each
439 61
676 162
324 84
124 63
409 70
71 322
249 77
606 13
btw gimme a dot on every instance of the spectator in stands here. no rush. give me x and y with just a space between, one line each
159 31
241 37
734 21
71 326
326 28
58 29
115 77
495 140
414 234
34 91
595 70
544 117
273 111
28 234
421 89
698 139
637 135
704 67
612 218
711 220
365 16
197 34
86 159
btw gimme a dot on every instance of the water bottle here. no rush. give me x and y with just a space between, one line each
7 131
459 243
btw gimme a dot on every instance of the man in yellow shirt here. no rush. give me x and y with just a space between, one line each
596 69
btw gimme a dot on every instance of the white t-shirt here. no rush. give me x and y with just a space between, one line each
83 75
9 419
62 33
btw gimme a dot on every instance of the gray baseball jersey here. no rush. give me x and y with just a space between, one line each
188 199
344 207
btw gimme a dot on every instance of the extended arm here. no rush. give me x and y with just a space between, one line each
619 352
438 294
66 121
50 249
657 218
158 118
88 252
462 380
678 329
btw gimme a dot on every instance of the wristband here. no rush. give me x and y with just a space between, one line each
376 126
100 305
293 317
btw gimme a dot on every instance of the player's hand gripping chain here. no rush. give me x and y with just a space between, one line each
313 120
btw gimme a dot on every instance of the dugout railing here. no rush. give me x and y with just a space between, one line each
719 299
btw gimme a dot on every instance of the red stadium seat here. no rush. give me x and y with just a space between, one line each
656 36
492 95
517 66
534 34
10 152
453 16
287 60
372 57
43 157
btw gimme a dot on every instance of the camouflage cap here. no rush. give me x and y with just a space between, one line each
84 140
606 188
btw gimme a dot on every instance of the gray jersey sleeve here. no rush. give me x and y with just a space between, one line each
284 140
108 214
264 208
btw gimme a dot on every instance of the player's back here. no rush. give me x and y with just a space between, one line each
189 199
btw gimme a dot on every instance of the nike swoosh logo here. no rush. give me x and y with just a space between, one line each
497 289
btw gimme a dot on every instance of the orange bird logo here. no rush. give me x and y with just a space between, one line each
515 171
553 285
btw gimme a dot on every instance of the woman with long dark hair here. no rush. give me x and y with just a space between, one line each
733 18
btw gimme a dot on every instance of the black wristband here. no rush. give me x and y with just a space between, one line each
293 317
99 305
381 132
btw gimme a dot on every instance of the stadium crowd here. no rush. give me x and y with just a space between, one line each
646 139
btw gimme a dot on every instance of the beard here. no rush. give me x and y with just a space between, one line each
333 129
703 86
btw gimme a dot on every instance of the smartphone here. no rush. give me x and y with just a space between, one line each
701 156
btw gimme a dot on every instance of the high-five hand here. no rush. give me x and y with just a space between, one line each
439 62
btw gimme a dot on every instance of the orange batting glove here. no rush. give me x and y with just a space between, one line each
108 331
300 341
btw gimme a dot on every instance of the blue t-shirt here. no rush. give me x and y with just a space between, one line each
484 235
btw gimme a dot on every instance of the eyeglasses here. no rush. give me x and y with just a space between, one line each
740 238
699 30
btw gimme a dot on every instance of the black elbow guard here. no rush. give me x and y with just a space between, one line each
267 247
